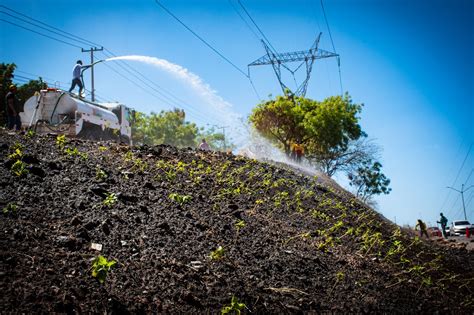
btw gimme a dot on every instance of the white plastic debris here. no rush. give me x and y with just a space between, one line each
96 246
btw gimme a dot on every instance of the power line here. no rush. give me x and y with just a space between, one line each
247 75
255 24
200 38
87 42
457 176
333 47
39 26
50 37
245 21
472 170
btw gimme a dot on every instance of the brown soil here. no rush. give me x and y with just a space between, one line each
290 244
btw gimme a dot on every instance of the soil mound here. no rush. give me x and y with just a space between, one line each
191 231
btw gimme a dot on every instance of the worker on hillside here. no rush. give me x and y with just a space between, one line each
298 152
422 226
76 76
204 145
443 221
13 109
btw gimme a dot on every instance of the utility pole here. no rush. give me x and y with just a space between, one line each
223 133
462 197
92 50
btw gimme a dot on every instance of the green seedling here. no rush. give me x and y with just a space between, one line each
19 168
234 308
217 254
30 134
100 174
110 200
100 267
170 175
180 199
340 276
61 141
16 155
10 208
239 224
102 148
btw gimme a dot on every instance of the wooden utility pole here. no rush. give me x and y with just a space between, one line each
92 50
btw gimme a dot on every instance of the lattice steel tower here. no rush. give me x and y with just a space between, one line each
278 60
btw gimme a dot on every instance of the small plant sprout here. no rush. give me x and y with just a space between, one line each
100 174
217 254
234 308
180 199
61 141
30 134
110 200
340 276
102 148
16 155
19 168
100 267
239 224
10 208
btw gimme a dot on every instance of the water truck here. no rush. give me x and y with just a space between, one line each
60 112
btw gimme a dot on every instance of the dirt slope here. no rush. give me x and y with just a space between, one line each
289 244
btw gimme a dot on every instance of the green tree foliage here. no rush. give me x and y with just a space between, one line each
280 121
24 91
167 127
170 127
6 79
27 90
368 180
216 140
329 131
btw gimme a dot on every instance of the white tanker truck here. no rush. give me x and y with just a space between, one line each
57 111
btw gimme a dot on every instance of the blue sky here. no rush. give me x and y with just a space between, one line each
410 63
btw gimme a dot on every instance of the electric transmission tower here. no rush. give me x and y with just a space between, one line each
307 57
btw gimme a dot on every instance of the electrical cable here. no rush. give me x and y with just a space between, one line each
41 27
247 75
242 18
258 28
52 27
50 37
333 47
200 38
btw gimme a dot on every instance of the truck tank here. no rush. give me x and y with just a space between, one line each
56 106
57 111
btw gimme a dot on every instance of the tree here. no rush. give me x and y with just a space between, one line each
329 131
24 91
368 180
167 127
326 129
6 79
280 121
27 90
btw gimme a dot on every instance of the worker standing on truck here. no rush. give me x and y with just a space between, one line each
13 109
443 221
76 77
